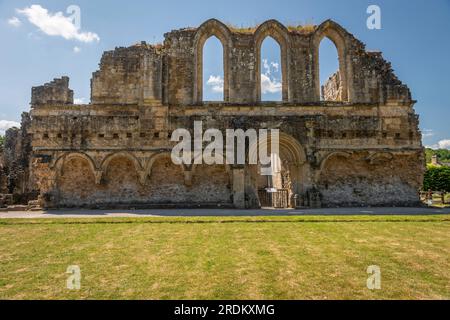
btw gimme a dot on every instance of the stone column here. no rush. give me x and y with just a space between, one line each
239 187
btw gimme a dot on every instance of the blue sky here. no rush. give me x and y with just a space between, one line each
414 37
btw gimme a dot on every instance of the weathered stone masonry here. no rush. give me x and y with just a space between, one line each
361 148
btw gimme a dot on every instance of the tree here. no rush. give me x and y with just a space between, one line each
442 154
437 178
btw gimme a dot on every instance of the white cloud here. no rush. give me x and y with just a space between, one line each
6 124
216 82
443 144
79 101
77 49
56 24
15 22
269 85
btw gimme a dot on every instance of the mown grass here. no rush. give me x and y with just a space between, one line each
227 258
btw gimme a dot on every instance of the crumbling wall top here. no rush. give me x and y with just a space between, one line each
129 75
55 92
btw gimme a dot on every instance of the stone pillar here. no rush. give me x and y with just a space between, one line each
239 187
188 178
45 178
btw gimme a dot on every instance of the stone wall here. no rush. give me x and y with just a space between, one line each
55 92
360 147
16 160
121 185
332 90
128 76
360 178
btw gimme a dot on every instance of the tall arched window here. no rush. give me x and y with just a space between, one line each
271 71
213 70
331 88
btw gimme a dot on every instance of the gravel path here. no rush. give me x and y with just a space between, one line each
81 213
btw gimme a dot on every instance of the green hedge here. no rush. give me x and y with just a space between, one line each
437 178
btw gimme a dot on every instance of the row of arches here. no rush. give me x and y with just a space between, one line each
341 176
119 180
270 36
144 168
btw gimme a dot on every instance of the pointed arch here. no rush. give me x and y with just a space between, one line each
212 27
337 35
278 32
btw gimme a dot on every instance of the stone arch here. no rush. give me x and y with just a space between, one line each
380 158
277 31
165 180
208 29
75 180
150 163
122 178
110 157
59 162
136 163
332 155
289 147
294 163
337 35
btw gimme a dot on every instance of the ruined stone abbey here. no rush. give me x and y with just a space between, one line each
359 145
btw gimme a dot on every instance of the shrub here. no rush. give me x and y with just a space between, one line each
437 178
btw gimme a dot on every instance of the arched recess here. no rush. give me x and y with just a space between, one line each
378 158
208 29
135 161
121 177
336 34
165 181
188 170
75 181
330 156
151 162
127 155
280 34
59 163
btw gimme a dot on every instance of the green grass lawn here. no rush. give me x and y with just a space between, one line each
227 258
